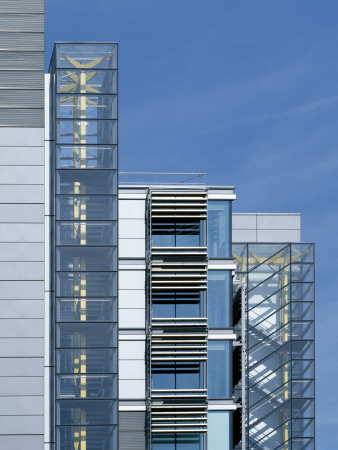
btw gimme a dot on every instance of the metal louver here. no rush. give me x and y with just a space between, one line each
187 418
178 204
176 276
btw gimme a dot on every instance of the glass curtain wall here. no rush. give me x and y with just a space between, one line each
280 339
85 160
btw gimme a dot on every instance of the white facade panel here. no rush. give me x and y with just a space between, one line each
22 174
21 347
278 235
132 318
132 229
19 442
244 221
21 328
21 251
21 309
22 193
131 350
21 290
131 279
34 156
23 213
21 386
19 232
132 370
21 367
132 209
132 298
278 221
132 389
21 425
21 405
18 137
21 271
132 248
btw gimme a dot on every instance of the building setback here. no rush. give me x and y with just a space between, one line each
134 316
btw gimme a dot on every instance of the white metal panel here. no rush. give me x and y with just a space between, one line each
132 350
21 290
132 389
132 229
132 209
244 221
132 298
21 347
21 386
21 270
132 279
22 174
278 236
132 248
16 309
132 369
22 193
34 156
278 221
21 367
17 137
17 232
21 328
244 236
132 318
21 251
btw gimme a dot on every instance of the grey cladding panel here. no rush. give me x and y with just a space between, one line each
21 425
22 60
22 22
22 194
12 156
21 41
23 213
21 347
15 79
16 309
21 386
21 367
28 137
21 328
21 406
132 430
15 251
22 271
21 290
21 98
22 6
21 117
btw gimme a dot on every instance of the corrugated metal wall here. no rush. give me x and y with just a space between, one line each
132 430
21 63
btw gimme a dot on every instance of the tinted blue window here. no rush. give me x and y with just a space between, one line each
178 442
219 230
219 284
219 369
177 376
187 304
177 234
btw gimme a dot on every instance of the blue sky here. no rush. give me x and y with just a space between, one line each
246 91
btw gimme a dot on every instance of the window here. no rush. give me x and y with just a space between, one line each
177 234
219 369
177 442
178 304
219 229
219 288
177 376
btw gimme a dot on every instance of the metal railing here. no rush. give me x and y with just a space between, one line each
161 178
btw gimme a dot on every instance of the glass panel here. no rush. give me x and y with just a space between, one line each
303 389
98 284
240 255
303 408
177 442
303 427
303 350
97 207
83 258
73 81
219 369
303 444
86 412
303 291
264 308
273 341
278 255
267 285
219 232
303 310
84 335
271 363
86 131
177 376
96 233
86 386
177 234
90 157
68 437
103 56
302 272
303 253
303 369
269 382
219 292
98 360
74 310
176 304
219 434
303 330
86 182
94 106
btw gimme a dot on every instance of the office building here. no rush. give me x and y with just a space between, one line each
134 315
